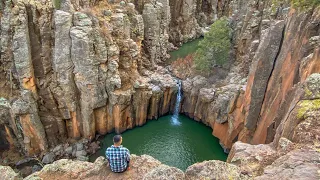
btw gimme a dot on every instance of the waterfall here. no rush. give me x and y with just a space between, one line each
175 117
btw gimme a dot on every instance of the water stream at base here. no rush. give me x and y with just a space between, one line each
174 118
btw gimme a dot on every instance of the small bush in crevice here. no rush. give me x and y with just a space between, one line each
57 4
298 4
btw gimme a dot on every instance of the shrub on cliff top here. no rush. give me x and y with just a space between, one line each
305 3
57 4
214 48
300 4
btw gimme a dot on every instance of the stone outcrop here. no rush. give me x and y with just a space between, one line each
62 64
7 173
252 158
8 140
214 170
263 63
284 160
141 167
295 165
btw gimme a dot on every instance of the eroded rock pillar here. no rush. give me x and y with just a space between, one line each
26 110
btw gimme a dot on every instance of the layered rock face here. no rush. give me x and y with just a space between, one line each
75 72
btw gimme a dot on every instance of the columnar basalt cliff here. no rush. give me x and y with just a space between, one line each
182 20
294 153
72 69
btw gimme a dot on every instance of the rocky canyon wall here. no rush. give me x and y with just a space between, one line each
293 154
74 71
74 68
294 150
184 20
275 50
267 102
78 68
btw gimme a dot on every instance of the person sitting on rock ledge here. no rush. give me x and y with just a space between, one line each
118 156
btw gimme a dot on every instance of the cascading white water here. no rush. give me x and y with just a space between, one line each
175 117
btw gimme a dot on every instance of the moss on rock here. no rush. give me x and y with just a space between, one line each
306 106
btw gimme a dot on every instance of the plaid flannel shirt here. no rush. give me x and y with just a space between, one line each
118 158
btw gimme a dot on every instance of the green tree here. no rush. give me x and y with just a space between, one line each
215 47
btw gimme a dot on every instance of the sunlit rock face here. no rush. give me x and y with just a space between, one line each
294 150
290 68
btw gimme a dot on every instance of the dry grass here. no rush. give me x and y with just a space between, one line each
183 67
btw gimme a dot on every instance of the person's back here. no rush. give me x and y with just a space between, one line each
118 156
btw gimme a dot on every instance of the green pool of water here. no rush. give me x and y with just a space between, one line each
178 142
184 50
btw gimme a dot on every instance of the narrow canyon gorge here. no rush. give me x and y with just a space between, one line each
74 70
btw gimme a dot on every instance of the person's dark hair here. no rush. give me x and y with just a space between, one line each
116 138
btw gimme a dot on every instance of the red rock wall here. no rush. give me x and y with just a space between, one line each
299 29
